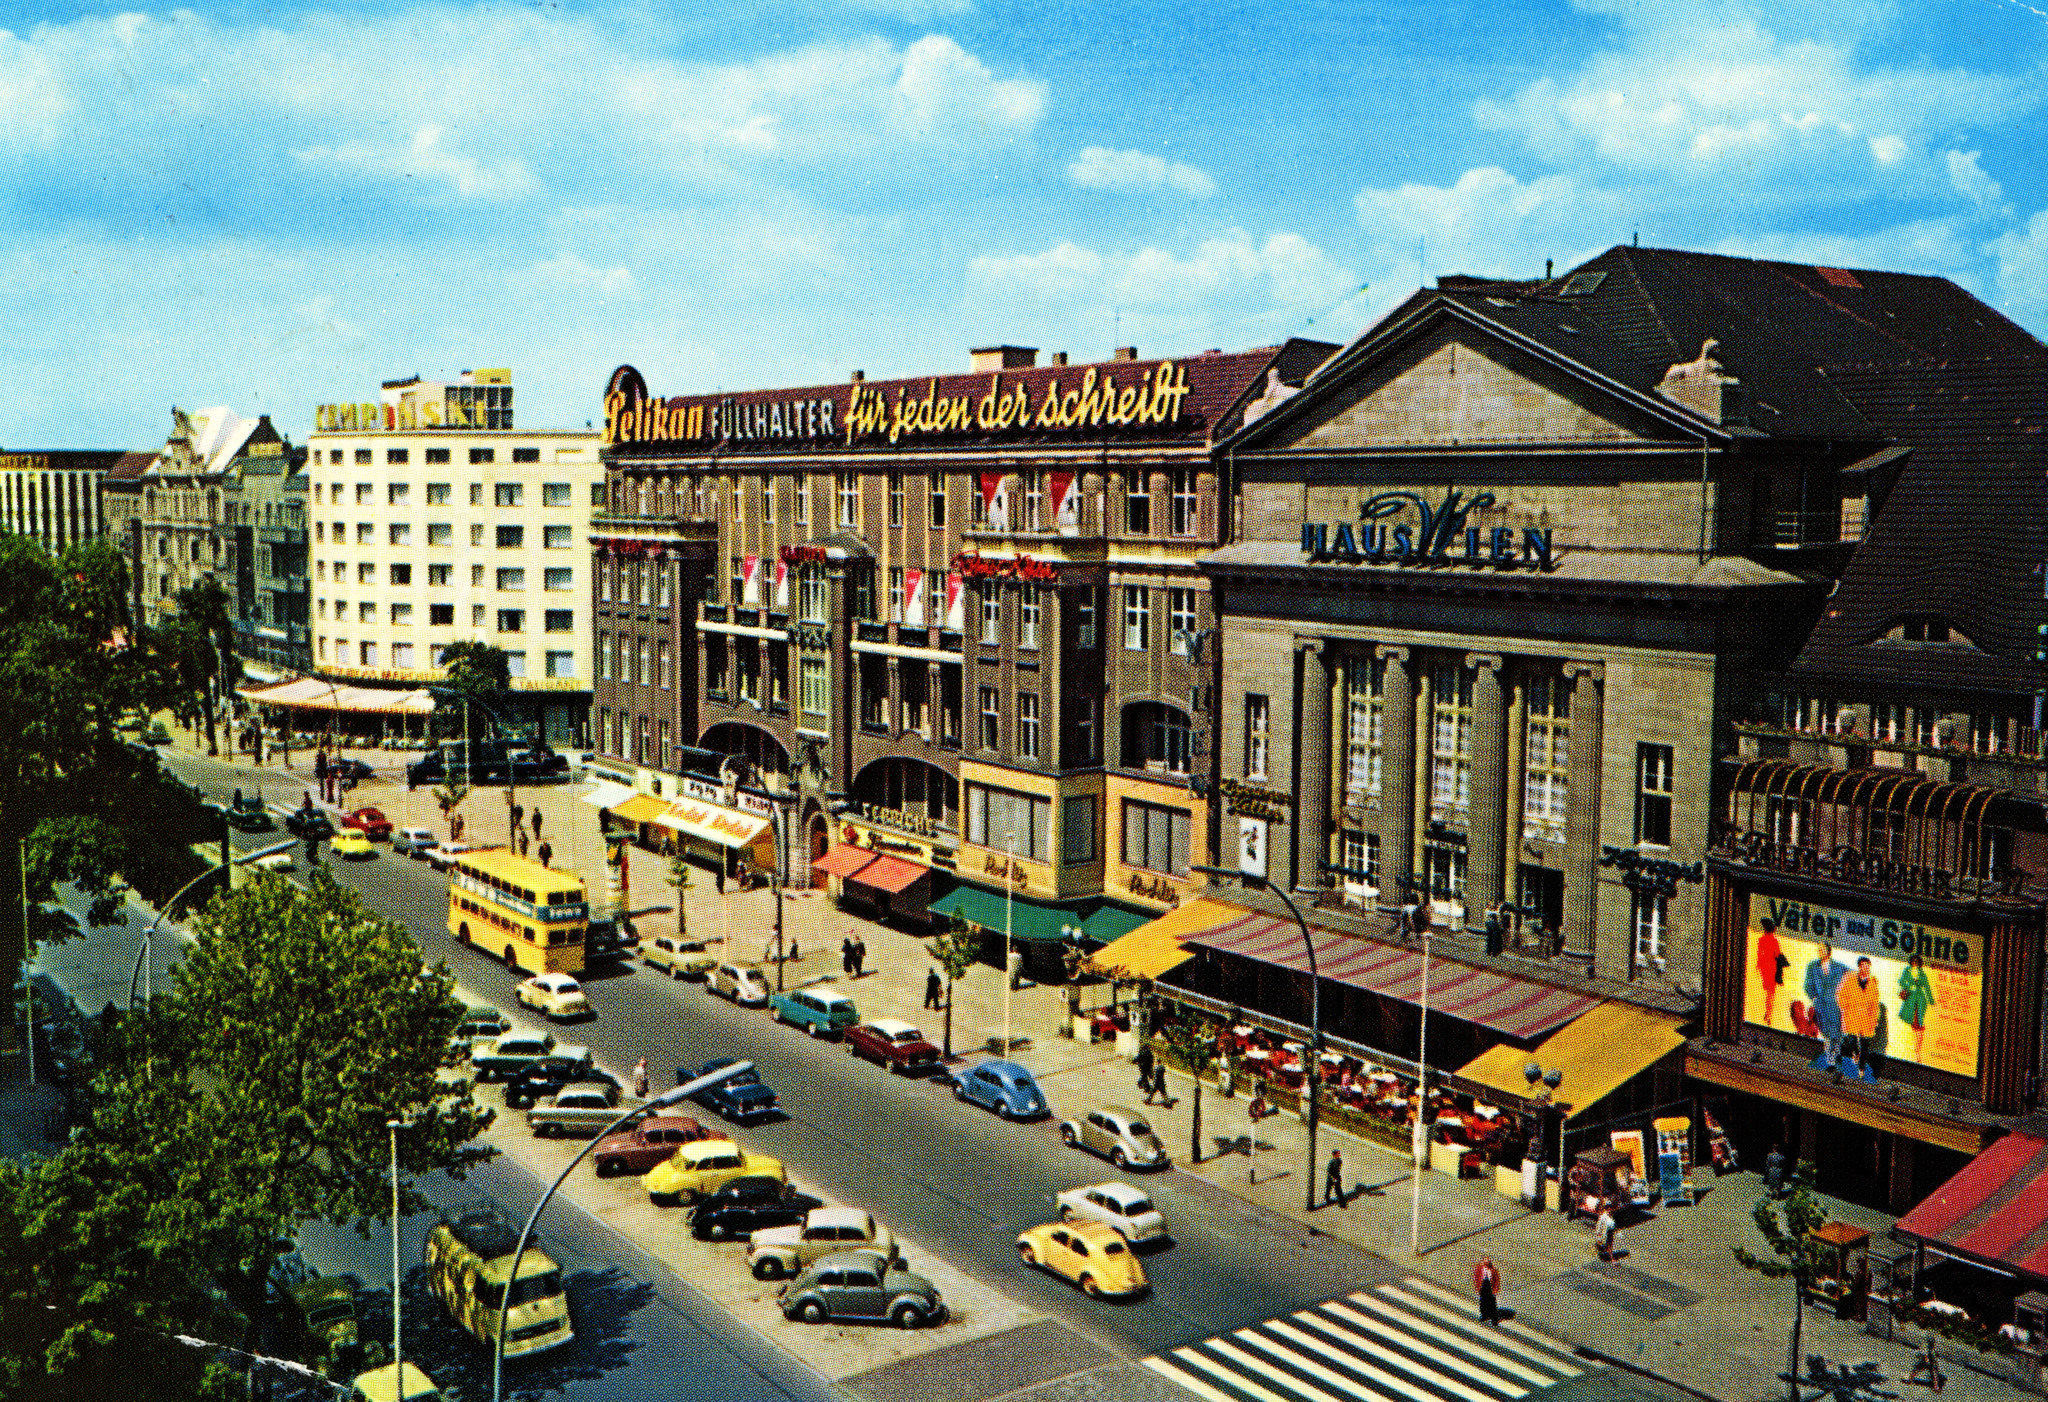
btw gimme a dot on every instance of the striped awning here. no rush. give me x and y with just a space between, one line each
891 874
1514 1007
1995 1210
843 860
1596 1055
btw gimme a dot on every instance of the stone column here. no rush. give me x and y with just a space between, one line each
1397 776
1311 765
893 707
1582 811
1486 825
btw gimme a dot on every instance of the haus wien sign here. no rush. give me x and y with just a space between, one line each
1401 528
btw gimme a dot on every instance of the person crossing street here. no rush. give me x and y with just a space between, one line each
1333 1179
1486 1281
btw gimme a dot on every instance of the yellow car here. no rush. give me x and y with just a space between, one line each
1093 1255
704 1167
351 843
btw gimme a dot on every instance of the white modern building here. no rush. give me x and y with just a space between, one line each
436 521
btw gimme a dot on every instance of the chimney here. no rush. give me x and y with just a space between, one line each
1059 357
1125 353
1002 358
859 376
1701 386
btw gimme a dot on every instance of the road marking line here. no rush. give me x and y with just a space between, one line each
1246 1360
1342 1330
1216 1369
1503 1362
1512 1326
1180 1377
1330 1375
1385 1355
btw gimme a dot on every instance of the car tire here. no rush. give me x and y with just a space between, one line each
609 1168
907 1316
1068 1137
511 957
1067 1214
1026 1254
811 1312
1118 1157
518 1102
717 1231
547 1131
767 1268
960 1092
462 934
663 1199
675 972
812 1031
1090 1288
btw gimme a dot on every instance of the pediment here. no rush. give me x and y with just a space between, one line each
1455 386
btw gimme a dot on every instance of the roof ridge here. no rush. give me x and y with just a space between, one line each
1656 313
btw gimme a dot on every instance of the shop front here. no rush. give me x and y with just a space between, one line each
877 885
734 844
1039 931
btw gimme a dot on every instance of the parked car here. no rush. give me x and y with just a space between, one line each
1091 1254
1004 1087
743 983
248 816
705 1167
553 995
351 769
743 1098
862 1285
526 1088
273 861
678 958
413 842
895 1044
639 1147
606 938
503 1057
371 822
442 855
1121 1135
308 822
774 1252
395 1382
1117 1205
576 1109
479 1024
819 1011
745 1206
353 844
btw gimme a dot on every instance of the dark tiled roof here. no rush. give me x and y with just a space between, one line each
1960 538
112 461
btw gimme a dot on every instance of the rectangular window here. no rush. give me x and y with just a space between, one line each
557 537
1180 621
526 455
476 615
1182 482
437 492
1034 500
811 685
1077 828
515 664
511 537
1084 730
369 654
479 455
665 664
1137 618
397 493
363 455
935 500
991 718
511 620
1257 735
1138 502
476 576
366 573
441 615
1891 722
476 533
739 581
1027 615
401 654
559 620
895 593
437 455
563 664
1651 918
511 579
1547 756
401 615
400 533
398 456
810 593
476 494
1084 619
1443 869
603 650
401 575
1156 838
440 533
1005 821
767 485
1360 858
366 532
849 498
1450 743
440 575
554 494
895 498
1365 681
558 579
803 499
991 612
643 670
1653 795
1027 724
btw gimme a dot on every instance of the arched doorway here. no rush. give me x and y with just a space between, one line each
900 784
748 742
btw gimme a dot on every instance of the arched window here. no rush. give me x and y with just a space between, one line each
1157 736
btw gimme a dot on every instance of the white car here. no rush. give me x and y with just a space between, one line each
273 861
1117 1205
740 982
553 995
414 842
442 855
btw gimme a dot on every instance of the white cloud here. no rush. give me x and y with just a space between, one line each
2021 260
1490 222
424 158
1100 168
1970 179
568 270
1285 270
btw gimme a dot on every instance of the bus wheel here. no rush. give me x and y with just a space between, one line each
511 957
463 933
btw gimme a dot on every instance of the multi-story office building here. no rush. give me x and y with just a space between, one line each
435 521
54 494
962 615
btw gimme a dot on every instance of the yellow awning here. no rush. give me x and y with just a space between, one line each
707 822
1154 947
1596 1051
641 808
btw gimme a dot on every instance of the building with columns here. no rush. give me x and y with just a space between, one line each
53 494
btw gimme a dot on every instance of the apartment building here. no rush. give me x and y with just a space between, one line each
53 494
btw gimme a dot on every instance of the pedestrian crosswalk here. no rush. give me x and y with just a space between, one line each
1412 1342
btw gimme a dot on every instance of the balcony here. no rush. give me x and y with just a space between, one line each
871 632
714 613
778 620
747 618
913 637
950 641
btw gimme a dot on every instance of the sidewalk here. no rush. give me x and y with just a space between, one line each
1676 1305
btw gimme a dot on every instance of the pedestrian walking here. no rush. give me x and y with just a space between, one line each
846 955
536 821
1486 1280
1159 1085
640 1078
1333 1179
1926 1370
1774 1172
860 954
1603 1233
547 855
1144 1060
934 988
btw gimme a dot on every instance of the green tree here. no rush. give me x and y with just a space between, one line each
957 948
1787 1227
449 795
205 631
477 671
1191 1044
679 877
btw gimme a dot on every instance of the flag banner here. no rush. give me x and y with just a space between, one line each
1066 502
956 601
750 575
995 500
913 598
782 584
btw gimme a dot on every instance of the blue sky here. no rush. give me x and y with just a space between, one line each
276 205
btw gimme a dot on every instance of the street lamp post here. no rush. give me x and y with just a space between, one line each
660 1102
144 961
1419 1145
397 1269
775 823
1312 1076
1009 904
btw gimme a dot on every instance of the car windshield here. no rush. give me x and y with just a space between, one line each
1113 1248
1134 1207
1139 1127
537 1287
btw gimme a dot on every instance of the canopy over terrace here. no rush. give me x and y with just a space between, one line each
1994 1212
333 700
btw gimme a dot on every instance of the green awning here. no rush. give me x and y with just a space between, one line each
1031 920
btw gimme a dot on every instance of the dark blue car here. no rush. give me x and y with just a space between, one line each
743 1099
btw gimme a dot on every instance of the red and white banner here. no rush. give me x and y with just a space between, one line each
782 584
956 601
750 577
913 598
995 500
1066 503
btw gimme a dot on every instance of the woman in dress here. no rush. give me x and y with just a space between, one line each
1916 996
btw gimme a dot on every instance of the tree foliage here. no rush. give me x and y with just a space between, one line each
1787 1226
477 671
1191 1043
957 948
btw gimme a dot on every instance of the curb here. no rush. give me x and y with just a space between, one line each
1627 1367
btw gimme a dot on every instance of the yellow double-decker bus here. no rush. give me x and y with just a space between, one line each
535 916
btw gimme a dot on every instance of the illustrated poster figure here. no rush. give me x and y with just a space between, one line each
1916 998
1771 963
1860 1000
1823 975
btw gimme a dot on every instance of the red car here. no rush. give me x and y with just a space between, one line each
370 822
646 1144
896 1045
